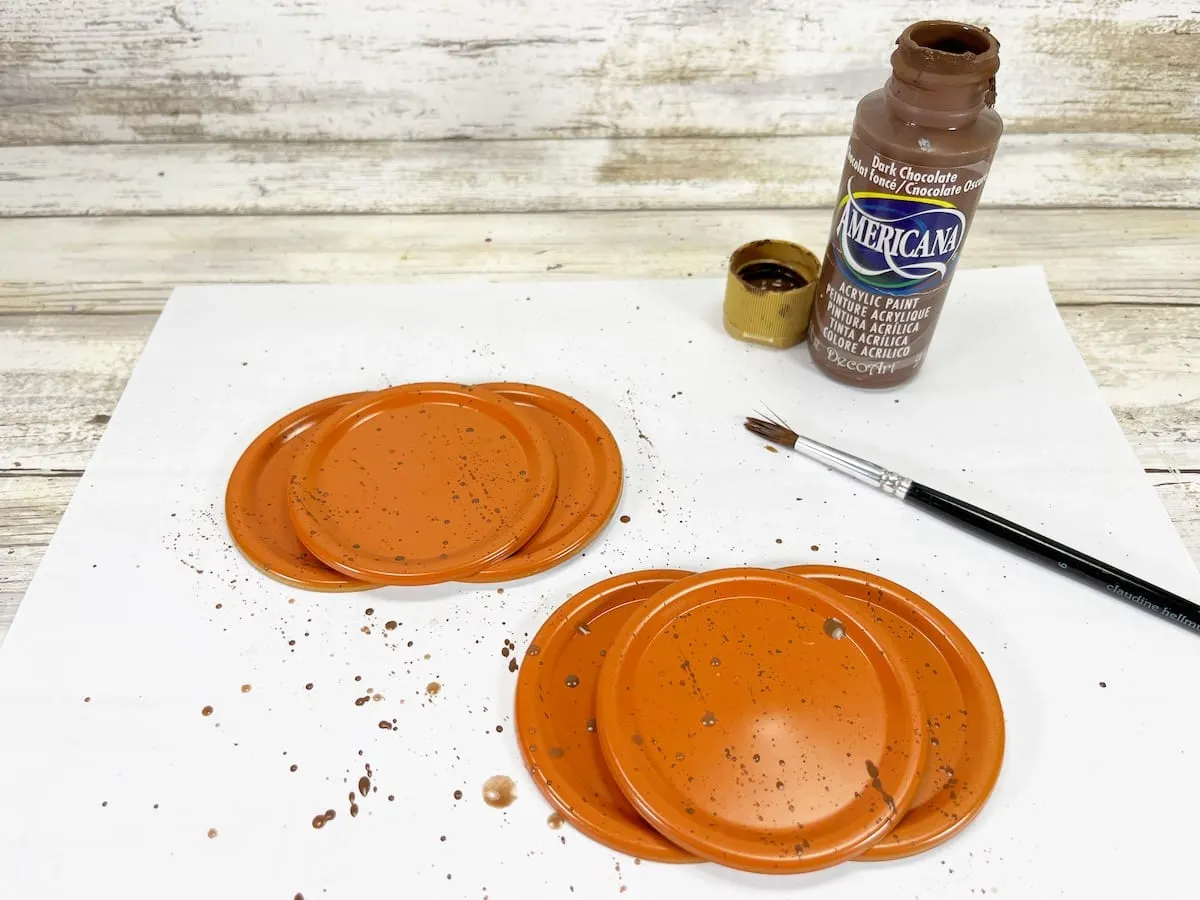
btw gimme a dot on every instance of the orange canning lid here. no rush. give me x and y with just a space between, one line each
256 502
589 480
753 719
422 483
966 721
556 714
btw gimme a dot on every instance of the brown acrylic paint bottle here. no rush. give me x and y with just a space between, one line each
918 158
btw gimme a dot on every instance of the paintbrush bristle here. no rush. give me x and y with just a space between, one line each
775 432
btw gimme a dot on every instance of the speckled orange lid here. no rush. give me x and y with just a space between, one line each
752 718
556 714
589 480
422 483
256 506
966 721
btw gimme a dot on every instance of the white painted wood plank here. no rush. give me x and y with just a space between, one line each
117 70
531 176
60 377
30 509
129 264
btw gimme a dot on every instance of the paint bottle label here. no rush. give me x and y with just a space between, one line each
898 230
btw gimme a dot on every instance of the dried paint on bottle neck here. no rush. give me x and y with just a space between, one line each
943 74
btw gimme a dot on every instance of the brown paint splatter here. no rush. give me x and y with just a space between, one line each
625 520
512 664
207 711
433 689
364 785
385 724
555 821
771 448
321 819
834 628
390 625
499 791
212 833
245 688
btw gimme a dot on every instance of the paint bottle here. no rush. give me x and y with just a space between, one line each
915 168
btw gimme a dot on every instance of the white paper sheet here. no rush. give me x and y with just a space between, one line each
115 796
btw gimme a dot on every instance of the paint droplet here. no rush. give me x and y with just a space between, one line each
714 662
433 689
625 520
1104 684
458 795
814 548
834 628
245 688
572 681
591 725
499 791
555 821
207 711
708 720
212 832
872 770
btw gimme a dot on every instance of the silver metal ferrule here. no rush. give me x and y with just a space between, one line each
877 476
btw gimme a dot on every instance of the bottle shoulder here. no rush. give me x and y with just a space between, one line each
921 145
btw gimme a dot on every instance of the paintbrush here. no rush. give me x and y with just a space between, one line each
1113 581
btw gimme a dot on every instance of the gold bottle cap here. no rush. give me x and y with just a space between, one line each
769 292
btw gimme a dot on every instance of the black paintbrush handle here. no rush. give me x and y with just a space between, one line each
1120 584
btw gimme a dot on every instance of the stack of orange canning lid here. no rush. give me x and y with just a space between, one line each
772 721
424 483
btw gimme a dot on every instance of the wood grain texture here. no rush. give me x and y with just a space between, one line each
30 509
130 264
61 376
201 70
1107 170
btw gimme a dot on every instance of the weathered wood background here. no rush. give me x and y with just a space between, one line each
147 144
